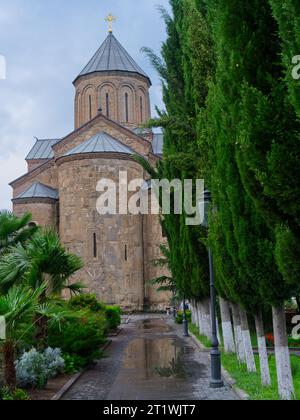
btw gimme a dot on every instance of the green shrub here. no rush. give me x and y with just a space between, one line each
80 336
73 363
88 301
113 317
294 342
17 395
179 317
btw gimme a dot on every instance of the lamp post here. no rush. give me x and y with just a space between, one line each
185 321
216 375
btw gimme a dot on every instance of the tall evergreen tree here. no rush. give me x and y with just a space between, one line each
184 92
248 111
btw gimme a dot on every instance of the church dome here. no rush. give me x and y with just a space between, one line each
112 56
112 83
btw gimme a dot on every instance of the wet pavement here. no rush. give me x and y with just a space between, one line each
150 360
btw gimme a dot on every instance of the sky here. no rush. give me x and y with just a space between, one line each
46 43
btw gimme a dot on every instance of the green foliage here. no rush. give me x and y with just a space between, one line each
179 317
14 230
185 67
251 382
82 336
42 259
17 395
73 363
90 302
18 307
233 139
113 316
287 15
201 338
86 301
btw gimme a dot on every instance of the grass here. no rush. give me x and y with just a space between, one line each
251 382
201 338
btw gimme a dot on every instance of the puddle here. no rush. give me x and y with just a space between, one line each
157 365
153 325
161 357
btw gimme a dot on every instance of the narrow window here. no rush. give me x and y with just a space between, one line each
126 107
141 109
107 105
95 245
126 253
90 106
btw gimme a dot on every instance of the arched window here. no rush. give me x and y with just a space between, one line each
32 225
90 106
126 108
107 104
141 109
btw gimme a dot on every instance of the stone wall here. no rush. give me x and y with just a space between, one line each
153 239
44 212
110 245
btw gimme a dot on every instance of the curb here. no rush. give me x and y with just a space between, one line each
116 333
58 396
228 379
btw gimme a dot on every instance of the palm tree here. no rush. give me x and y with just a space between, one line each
17 307
14 230
42 260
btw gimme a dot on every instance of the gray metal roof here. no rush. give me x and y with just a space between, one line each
42 149
142 132
158 143
112 56
101 143
38 190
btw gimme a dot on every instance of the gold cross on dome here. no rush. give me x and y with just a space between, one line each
110 19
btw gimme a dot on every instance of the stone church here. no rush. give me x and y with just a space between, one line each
111 103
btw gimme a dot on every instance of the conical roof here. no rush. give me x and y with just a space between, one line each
112 56
38 190
101 143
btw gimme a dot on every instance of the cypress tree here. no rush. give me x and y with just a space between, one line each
183 69
249 112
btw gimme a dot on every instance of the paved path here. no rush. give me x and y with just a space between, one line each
150 360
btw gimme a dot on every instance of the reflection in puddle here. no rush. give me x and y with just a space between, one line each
153 325
155 357
158 365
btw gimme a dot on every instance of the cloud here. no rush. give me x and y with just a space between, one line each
46 48
11 167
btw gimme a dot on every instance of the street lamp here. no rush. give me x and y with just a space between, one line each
216 375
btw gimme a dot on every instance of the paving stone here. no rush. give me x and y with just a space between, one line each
150 360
